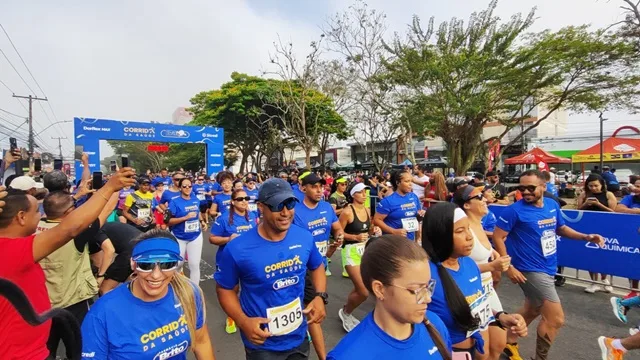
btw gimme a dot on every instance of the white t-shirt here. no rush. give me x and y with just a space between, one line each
417 189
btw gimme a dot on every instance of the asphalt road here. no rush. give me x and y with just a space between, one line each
587 316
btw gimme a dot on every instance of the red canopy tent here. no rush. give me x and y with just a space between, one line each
536 155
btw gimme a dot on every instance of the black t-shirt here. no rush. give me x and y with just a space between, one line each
499 191
87 236
120 235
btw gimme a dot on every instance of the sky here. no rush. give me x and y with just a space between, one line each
140 60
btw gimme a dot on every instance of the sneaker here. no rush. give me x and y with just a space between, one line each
329 260
618 309
345 274
348 321
593 288
607 286
560 280
634 330
327 272
512 352
607 350
230 327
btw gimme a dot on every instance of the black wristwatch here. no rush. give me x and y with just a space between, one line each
99 276
324 296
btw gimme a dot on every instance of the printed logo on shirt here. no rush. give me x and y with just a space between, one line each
283 265
473 279
433 350
192 208
295 246
502 219
165 333
317 232
547 222
243 228
410 205
88 355
471 298
317 223
286 282
172 351
410 213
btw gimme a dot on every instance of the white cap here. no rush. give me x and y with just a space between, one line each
23 183
357 188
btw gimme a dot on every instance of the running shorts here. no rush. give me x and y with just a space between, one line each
539 287
120 269
352 254
204 207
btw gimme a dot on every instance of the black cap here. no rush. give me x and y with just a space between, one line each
55 180
313 178
274 191
144 181
460 181
491 173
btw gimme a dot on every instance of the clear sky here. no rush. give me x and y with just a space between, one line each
139 60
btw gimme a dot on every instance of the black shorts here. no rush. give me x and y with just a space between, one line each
120 269
309 289
204 207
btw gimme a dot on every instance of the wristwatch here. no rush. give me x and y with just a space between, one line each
324 296
99 276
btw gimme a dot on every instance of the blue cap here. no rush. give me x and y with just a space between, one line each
156 250
274 191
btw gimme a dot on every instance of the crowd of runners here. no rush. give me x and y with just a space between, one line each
430 254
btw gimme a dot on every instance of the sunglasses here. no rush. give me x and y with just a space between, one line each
200 179
242 198
477 197
148 267
530 188
289 204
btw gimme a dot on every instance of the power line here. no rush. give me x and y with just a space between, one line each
17 72
10 113
13 92
23 62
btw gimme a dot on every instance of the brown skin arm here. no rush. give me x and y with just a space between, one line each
204 348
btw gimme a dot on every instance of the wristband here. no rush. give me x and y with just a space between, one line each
99 276
497 316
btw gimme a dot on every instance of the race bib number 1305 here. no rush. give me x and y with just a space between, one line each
286 318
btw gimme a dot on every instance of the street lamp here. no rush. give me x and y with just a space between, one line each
50 125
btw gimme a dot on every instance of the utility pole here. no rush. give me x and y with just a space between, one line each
602 120
31 139
59 144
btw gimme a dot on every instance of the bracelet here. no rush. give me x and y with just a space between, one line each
99 276
497 316
104 197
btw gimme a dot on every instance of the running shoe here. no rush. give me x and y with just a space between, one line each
349 322
230 327
327 272
607 350
329 260
618 309
345 274
607 286
634 330
512 352
593 288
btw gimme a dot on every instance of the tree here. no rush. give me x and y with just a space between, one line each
306 113
460 78
139 157
630 26
357 37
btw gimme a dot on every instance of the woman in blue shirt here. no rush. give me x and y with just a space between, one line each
222 201
397 273
160 314
186 224
400 212
227 228
458 298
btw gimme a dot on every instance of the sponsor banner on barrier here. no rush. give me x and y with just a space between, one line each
619 257
89 132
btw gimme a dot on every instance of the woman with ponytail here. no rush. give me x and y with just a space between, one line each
397 273
159 314
458 297
229 226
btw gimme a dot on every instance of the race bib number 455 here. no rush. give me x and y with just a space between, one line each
286 318
322 247
548 242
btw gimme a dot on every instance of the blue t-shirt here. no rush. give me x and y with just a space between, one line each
398 207
299 194
552 189
317 221
610 178
369 341
630 202
222 227
253 194
223 201
531 242
271 275
167 181
210 188
121 326
168 195
199 192
489 221
190 229
469 282
216 187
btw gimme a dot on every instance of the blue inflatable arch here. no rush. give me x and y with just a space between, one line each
89 132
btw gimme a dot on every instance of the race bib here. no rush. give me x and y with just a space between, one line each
487 286
286 318
481 309
322 247
410 224
360 248
144 213
200 197
548 242
253 207
192 226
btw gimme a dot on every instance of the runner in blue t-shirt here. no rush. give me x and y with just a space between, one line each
630 204
449 242
228 227
145 318
531 227
187 224
171 192
222 200
401 212
319 218
269 263
397 273
200 191
252 191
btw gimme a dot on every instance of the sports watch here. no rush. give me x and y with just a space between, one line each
324 296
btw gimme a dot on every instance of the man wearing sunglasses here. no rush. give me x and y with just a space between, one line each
532 225
171 192
269 263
